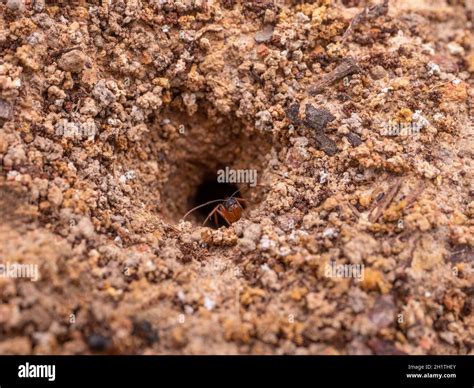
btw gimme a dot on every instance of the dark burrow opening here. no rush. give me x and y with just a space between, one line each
211 190
200 148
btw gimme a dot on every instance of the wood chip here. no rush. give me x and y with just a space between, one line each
354 139
347 67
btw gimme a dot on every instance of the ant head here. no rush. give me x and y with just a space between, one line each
227 203
230 202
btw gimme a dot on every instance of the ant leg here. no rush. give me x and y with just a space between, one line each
210 214
223 216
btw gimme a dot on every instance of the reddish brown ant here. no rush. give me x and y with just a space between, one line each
230 209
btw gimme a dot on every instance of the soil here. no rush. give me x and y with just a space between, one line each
116 116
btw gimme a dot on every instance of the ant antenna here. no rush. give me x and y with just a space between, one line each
202 205
207 203
234 193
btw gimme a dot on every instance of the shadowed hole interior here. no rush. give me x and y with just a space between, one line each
191 150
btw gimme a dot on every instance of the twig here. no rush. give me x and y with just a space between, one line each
386 201
64 50
353 209
410 199
347 67
367 14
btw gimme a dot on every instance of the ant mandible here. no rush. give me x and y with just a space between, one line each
230 209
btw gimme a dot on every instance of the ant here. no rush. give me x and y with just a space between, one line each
230 209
